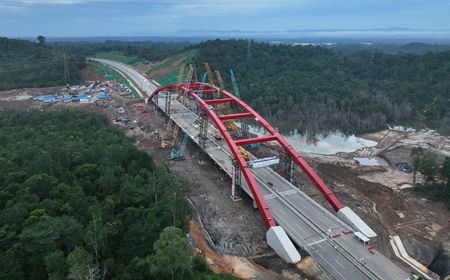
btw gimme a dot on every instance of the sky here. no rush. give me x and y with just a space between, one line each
89 18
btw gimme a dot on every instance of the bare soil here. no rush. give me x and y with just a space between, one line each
384 198
166 70
231 233
144 68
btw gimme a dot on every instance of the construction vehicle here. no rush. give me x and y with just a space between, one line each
218 136
164 143
414 276
255 146
179 154
231 126
244 153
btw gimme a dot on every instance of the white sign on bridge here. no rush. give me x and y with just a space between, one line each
263 162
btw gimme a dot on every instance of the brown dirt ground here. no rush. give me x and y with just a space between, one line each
88 75
235 233
144 68
166 70
235 229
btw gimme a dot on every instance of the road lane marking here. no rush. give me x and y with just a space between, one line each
316 242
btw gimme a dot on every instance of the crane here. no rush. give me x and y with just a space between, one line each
219 79
179 154
195 74
235 87
210 75
180 74
190 75
187 80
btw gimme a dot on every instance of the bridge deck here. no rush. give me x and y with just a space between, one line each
306 222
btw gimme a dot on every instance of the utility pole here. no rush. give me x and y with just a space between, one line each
66 70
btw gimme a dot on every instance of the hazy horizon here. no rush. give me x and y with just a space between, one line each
264 18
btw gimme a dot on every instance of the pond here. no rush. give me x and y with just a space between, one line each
328 144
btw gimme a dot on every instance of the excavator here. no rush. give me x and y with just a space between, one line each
244 153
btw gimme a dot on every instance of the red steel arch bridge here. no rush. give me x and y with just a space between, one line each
207 96
202 111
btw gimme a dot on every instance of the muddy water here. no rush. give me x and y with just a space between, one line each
328 144
374 161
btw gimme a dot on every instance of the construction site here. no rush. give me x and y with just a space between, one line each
398 227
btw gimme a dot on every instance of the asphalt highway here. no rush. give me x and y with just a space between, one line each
309 225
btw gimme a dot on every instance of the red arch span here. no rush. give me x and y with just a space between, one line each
226 97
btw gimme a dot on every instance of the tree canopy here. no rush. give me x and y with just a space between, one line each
28 64
79 201
318 89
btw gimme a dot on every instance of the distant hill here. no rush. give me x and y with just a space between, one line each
412 48
319 89
27 64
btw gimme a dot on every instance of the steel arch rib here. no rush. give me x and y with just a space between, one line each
256 192
192 90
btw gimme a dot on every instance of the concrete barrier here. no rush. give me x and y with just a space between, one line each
347 215
278 240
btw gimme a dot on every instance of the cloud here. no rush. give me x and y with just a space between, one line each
229 7
25 3
190 7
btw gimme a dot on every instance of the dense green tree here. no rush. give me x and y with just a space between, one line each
317 89
41 40
429 166
173 255
82 216
140 50
81 265
27 64
56 265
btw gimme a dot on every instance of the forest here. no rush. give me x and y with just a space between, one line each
436 172
306 88
36 64
317 89
79 201
145 51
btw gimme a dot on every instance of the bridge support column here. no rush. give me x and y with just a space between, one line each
245 128
167 104
278 240
236 190
289 168
203 124
155 102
